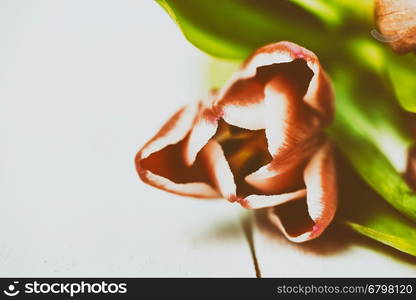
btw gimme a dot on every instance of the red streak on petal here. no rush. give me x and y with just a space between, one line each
244 203
212 116
233 198
299 55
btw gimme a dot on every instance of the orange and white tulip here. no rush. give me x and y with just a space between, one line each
258 142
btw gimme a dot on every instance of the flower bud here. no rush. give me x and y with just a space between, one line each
396 20
258 142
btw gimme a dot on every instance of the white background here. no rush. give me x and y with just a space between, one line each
83 85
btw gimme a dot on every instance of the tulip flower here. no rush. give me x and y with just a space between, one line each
396 20
258 141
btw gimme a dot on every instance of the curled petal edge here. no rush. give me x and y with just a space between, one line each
321 198
173 131
319 95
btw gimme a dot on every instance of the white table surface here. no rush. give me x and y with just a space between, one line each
83 85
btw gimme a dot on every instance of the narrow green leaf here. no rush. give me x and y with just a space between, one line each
402 74
398 71
205 40
371 133
365 212
234 28
403 238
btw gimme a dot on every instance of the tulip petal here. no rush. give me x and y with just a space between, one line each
319 93
273 180
306 219
285 171
161 163
172 132
252 143
262 201
242 104
289 121
219 170
205 127
195 189
241 101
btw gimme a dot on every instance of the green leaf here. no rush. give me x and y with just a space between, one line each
392 232
234 28
402 71
371 132
398 71
362 210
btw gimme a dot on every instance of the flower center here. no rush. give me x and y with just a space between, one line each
245 150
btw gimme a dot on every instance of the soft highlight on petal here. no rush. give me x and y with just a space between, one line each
262 201
241 99
204 128
288 120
